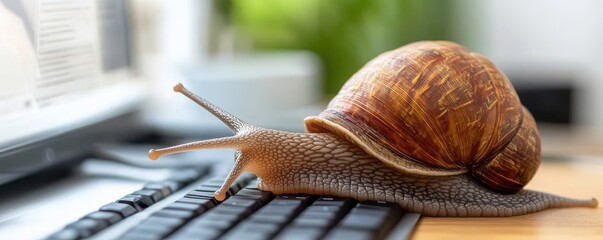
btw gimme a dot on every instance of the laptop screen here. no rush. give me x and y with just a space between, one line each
63 65
65 68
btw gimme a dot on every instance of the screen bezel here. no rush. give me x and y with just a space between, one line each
67 148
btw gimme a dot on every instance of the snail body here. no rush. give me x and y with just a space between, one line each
431 126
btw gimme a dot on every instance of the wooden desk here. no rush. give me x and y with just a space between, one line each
576 177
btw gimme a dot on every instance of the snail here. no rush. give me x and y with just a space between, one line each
431 126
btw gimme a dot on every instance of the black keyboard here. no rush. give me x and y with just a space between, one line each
246 213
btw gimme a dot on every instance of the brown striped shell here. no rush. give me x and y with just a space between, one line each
434 108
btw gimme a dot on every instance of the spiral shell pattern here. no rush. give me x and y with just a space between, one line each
436 105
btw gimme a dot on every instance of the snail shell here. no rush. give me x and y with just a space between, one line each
434 108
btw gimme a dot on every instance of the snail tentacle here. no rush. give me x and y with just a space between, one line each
239 168
218 143
234 123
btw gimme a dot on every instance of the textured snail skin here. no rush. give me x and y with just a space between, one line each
325 163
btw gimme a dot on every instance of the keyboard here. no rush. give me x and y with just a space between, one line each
247 213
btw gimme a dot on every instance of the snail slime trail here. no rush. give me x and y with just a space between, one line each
453 141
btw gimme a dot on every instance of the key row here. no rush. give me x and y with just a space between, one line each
128 205
199 201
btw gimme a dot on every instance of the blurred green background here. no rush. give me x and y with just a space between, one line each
344 34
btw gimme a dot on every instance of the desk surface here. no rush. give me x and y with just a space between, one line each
576 177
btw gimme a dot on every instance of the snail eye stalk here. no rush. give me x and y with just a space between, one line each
238 141
234 123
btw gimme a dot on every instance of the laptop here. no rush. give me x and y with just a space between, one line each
73 147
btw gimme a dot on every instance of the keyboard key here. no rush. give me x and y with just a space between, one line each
292 200
238 184
403 229
279 219
164 188
86 227
276 209
173 213
334 201
109 217
362 221
246 177
242 202
293 203
140 234
159 226
322 208
320 220
66 234
197 193
253 184
208 188
251 231
216 222
154 221
281 209
314 222
213 188
192 232
244 180
215 215
300 233
262 196
123 209
137 201
295 197
207 203
230 210
245 235
155 195
196 208
319 217
236 187
379 205
393 212
371 218
349 234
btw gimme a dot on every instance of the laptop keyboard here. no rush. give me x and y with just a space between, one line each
247 213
